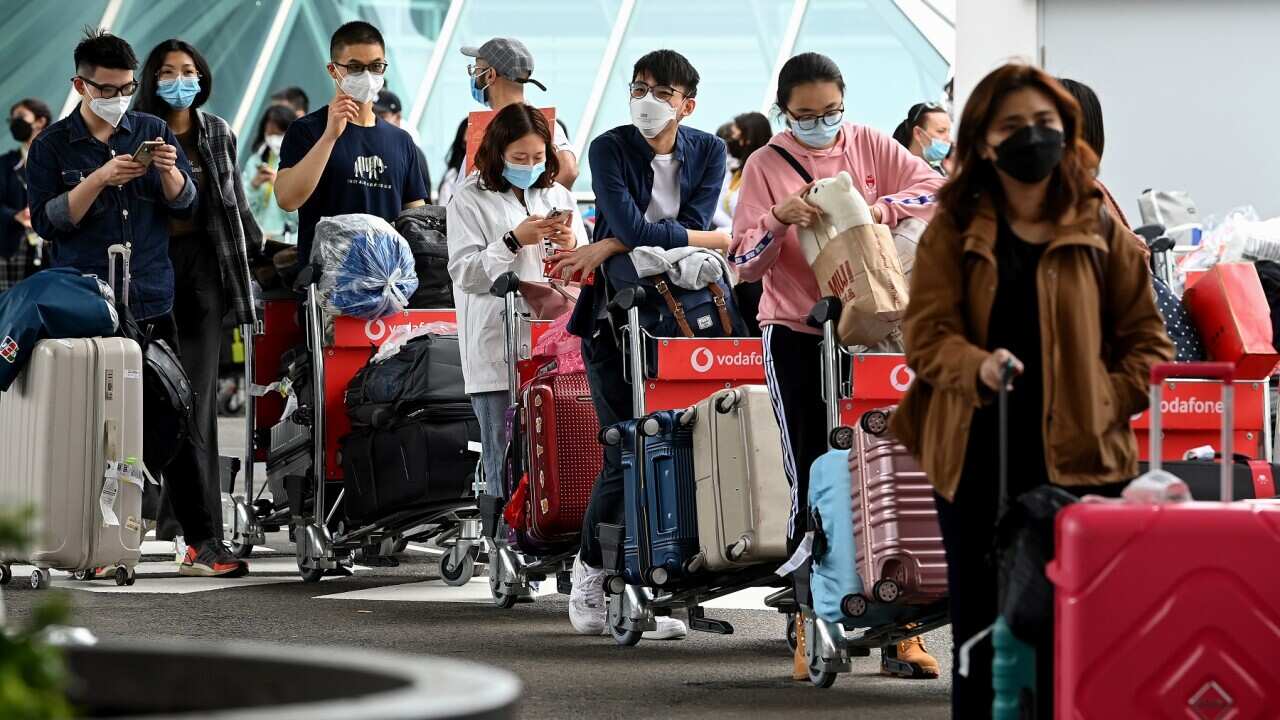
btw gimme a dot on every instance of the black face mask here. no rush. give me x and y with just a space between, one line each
21 129
1031 154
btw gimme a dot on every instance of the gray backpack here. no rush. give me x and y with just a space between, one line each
1176 211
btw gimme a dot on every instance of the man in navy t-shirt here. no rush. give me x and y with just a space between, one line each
342 158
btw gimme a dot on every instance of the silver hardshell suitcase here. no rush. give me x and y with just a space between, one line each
743 498
71 437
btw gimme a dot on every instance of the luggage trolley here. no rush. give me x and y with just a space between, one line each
829 647
311 433
632 609
515 566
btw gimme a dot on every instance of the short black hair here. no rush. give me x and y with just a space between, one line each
35 107
356 32
293 96
668 67
1091 129
148 100
806 68
101 49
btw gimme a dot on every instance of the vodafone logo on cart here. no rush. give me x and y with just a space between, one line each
901 377
375 330
702 360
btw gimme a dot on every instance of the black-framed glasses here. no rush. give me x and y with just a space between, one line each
355 68
110 91
919 109
661 92
831 118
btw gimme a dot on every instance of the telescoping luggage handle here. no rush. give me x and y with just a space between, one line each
123 252
1224 372
506 287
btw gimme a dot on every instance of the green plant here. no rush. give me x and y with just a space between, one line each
33 674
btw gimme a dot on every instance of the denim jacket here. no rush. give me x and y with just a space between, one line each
62 157
622 179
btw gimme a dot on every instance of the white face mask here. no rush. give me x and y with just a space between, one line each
110 109
650 115
362 87
274 142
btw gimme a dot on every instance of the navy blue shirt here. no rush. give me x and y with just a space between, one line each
372 170
61 158
622 180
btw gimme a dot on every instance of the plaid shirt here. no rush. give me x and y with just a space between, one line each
230 222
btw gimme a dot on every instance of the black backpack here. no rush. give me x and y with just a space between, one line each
424 228
426 371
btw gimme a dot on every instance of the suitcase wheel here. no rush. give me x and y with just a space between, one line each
841 438
6 575
650 427
124 576
610 436
854 606
792 639
886 591
875 422
726 403
40 579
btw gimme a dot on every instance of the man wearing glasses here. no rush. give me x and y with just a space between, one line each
88 192
343 158
656 184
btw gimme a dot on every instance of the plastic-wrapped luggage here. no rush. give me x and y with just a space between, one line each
367 267
57 303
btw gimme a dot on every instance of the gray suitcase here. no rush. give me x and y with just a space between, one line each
743 499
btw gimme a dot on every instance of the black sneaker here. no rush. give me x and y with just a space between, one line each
212 559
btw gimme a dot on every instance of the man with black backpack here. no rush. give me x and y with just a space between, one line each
656 184
139 178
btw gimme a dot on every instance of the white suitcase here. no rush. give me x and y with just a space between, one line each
743 499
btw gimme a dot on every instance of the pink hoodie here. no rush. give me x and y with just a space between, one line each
884 172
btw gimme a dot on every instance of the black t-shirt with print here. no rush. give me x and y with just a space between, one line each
372 170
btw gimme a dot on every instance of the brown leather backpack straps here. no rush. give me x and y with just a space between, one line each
722 307
674 306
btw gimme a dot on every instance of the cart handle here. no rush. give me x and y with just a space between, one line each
1224 371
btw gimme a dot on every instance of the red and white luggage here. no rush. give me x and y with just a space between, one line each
564 455
71 439
1168 610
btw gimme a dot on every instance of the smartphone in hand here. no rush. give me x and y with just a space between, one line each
144 153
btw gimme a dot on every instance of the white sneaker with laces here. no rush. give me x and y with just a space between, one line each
668 628
587 610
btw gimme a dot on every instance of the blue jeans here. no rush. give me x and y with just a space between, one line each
491 409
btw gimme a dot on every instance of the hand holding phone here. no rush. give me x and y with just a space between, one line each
146 152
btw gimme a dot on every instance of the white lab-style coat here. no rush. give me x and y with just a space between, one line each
477 220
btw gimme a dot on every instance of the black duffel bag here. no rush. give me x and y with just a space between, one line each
424 228
418 461
426 371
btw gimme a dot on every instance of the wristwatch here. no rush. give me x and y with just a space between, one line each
511 242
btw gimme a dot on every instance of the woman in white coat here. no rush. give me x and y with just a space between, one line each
497 221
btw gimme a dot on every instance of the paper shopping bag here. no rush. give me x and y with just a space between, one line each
1230 309
861 267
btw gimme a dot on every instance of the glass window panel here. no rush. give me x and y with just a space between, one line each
39 40
567 39
733 44
887 64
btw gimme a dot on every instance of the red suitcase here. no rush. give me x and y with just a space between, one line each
895 521
564 455
1168 611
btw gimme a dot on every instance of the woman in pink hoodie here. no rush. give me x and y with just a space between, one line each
817 144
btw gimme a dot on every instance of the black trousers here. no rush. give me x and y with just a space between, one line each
198 310
611 396
792 371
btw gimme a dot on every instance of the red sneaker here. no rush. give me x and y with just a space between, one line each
212 559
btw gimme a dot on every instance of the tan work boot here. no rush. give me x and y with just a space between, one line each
800 662
908 659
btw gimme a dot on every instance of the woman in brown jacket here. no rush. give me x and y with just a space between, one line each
1021 266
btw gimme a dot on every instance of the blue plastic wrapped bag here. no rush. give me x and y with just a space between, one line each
367 267
53 304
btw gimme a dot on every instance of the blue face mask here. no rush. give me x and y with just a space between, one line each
937 151
523 176
819 136
479 94
179 92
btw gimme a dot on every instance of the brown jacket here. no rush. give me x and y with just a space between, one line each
1093 381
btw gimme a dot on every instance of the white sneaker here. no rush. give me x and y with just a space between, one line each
179 550
668 628
587 612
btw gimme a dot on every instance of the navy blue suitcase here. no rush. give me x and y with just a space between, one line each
662 525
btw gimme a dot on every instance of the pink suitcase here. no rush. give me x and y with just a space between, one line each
1169 611
895 522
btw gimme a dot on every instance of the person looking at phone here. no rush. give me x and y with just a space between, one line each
93 186
498 222
209 250
259 178
343 158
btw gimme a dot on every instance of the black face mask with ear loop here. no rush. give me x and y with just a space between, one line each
1030 154
20 129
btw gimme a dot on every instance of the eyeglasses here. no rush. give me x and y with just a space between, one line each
919 109
661 92
174 75
355 68
830 118
477 70
110 91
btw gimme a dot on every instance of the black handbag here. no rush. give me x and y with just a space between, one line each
424 229
426 371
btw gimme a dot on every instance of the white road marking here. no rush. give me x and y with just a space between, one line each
476 591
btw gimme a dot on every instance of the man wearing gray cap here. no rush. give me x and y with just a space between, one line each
502 68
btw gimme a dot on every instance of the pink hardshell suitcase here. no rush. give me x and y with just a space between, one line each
1169 611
